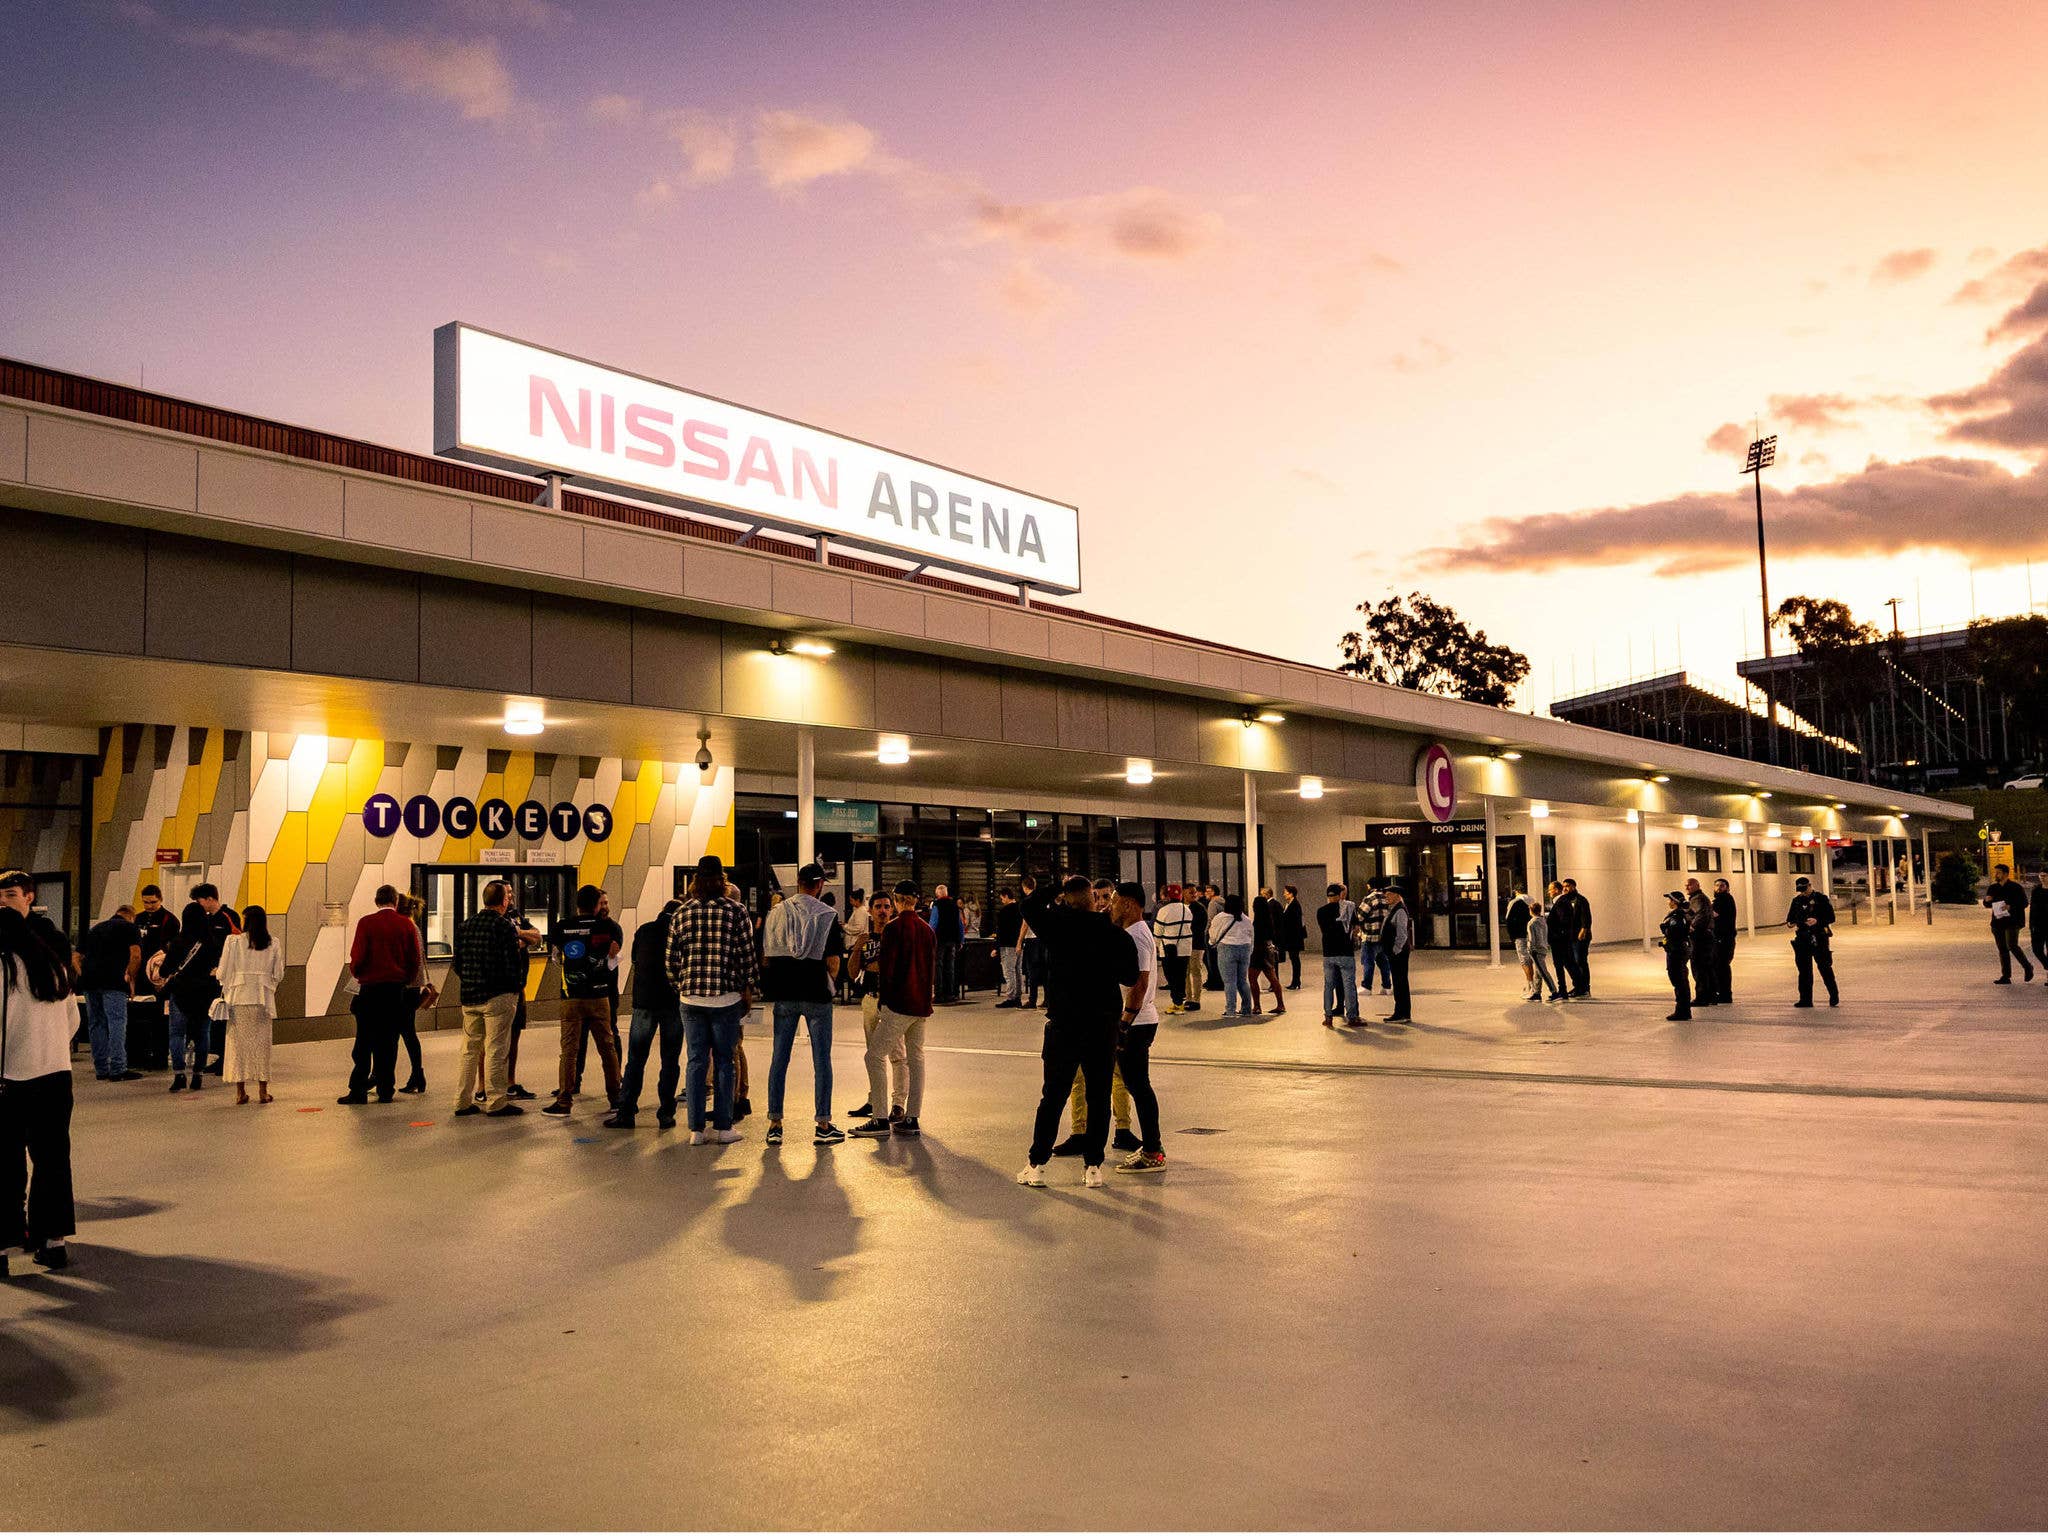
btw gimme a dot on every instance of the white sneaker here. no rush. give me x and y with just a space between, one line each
726 1138
1093 1179
1033 1176
700 1138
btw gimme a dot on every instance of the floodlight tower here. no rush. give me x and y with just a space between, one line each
1762 454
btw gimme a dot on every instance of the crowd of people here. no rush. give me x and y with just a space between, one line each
1107 964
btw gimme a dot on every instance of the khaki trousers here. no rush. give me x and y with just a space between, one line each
1119 1098
486 1048
1197 975
595 1015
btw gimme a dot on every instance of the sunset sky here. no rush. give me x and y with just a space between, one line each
1299 303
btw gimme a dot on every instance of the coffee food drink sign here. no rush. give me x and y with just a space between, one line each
515 406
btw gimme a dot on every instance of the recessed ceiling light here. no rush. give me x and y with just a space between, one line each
1692 823
1311 787
893 750
1634 816
524 717
1137 771
1538 809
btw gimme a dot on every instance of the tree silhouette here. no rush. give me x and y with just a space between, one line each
1416 642
2010 657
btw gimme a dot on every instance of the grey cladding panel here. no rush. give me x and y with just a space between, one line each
675 663
218 602
355 621
74 584
1084 718
474 636
1176 729
1031 711
906 694
582 650
971 703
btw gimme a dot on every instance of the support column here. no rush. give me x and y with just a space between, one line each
1252 870
1827 867
1927 870
1870 872
1493 890
1643 877
1748 882
1891 881
806 795
1910 907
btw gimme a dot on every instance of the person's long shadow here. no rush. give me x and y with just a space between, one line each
802 1226
118 1208
1377 1037
39 1385
187 1302
968 1187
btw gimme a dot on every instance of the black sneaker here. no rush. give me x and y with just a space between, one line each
907 1126
469 1109
666 1119
555 1107
828 1136
860 1114
1124 1141
618 1120
353 1098
774 1137
53 1258
178 1083
1007 1004
130 1076
1073 1146
517 1092
874 1130
505 1112
198 1081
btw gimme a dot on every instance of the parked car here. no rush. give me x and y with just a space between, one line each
2027 781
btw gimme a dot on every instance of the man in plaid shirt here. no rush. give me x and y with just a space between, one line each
491 961
714 969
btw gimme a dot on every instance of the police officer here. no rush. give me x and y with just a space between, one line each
1677 941
1724 942
1812 921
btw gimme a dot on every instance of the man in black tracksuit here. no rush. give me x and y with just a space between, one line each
1724 942
1812 921
1089 960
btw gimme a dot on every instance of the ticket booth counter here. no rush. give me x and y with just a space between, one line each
540 896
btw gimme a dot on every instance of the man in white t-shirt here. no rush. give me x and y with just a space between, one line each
1140 1026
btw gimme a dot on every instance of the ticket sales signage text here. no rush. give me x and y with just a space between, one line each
515 406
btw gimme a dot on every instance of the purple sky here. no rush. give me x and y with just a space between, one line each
1297 302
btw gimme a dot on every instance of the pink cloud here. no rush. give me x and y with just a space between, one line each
792 149
1902 266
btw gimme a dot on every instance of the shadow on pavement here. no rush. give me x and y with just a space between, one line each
802 1226
118 1208
41 1386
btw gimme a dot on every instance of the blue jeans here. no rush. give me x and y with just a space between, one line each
819 1017
639 1043
197 1025
714 1035
1377 963
1340 987
106 1020
1237 992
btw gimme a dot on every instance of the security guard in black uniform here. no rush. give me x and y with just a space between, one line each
1677 931
1812 921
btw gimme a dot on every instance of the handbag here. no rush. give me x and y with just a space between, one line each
217 1010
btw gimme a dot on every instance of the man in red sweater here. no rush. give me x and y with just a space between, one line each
909 949
385 961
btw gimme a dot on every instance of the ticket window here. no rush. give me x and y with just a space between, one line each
454 893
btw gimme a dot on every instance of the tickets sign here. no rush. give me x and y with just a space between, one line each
512 405
530 821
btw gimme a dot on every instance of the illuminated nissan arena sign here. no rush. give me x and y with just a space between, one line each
514 406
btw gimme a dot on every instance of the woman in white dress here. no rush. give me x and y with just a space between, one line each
251 965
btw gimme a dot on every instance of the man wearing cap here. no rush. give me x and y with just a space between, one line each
802 944
712 965
1676 937
1812 921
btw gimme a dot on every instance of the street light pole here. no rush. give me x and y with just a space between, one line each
1762 454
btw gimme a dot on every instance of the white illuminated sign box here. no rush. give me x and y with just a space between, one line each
510 405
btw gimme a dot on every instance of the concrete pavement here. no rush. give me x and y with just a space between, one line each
1520 1265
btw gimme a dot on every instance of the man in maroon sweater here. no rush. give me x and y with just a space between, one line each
905 965
384 959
